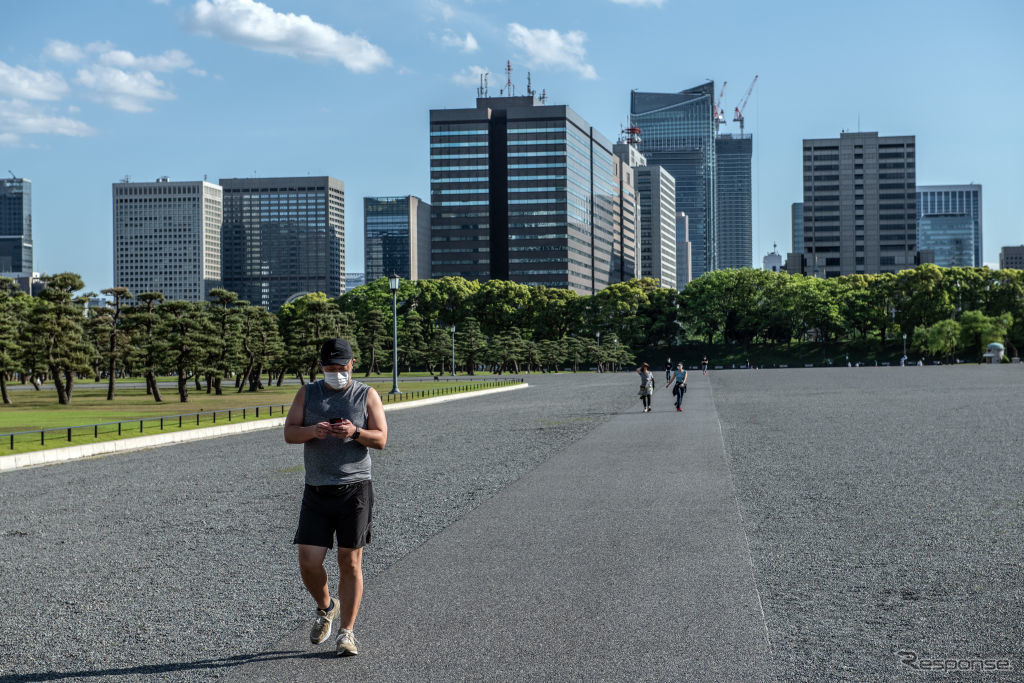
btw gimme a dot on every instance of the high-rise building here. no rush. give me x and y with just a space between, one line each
949 238
353 280
772 260
525 192
678 132
859 204
797 219
167 237
625 260
734 214
1011 257
283 237
951 201
396 237
656 190
684 269
16 227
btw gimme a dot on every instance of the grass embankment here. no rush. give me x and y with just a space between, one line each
36 410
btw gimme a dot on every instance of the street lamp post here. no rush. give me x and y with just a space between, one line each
599 351
393 282
453 350
904 344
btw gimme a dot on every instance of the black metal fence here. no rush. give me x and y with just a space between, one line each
125 428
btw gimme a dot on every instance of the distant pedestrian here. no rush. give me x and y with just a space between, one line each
646 386
704 366
680 386
668 369
338 497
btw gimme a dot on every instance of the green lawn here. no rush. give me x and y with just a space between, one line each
141 415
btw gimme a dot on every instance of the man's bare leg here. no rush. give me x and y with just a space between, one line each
350 588
314 576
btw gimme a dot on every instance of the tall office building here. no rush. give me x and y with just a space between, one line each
797 219
859 204
949 239
734 213
949 202
772 260
525 192
656 190
396 237
16 228
678 132
167 237
283 237
1012 257
625 260
684 269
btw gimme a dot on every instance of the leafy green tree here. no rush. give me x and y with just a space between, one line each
922 298
941 339
117 337
498 305
13 306
146 346
551 354
470 344
224 353
260 342
373 338
978 330
410 339
186 333
311 320
57 328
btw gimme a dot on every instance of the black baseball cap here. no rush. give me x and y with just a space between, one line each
335 352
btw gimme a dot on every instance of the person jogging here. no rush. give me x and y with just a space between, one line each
338 420
680 386
704 366
646 386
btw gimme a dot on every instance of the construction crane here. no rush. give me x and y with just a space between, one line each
738 115
719 112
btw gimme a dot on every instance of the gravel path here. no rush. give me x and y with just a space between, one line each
885 510
176 561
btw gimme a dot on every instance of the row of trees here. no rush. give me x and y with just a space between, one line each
499 324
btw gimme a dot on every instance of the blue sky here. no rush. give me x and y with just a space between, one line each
93 91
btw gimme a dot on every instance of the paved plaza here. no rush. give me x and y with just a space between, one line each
788 525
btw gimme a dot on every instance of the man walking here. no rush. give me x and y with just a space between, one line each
337 419
680 388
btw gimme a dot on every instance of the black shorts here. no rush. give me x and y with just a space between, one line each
345 511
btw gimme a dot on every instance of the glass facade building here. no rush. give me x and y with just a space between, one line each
396 237
733 199
524 192
16 227
678 133
952 200
656 190
949 238
283 237
167 237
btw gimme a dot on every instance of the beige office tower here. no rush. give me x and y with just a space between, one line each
684 266
860 208
167 237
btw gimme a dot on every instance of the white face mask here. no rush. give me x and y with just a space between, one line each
337 380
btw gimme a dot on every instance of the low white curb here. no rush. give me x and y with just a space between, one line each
51 455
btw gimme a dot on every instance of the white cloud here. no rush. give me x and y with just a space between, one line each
446 11
470 75
168 61
24 83
73 109
63 51
18 117
549 48
640 3
259 27
467 44
122 90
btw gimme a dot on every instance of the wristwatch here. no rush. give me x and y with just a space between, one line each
355 434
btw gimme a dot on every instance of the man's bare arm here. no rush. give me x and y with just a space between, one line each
294 431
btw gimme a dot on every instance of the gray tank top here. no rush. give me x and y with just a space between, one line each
332 461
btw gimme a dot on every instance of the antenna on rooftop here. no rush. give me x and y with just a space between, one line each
509 89
482 90
544 96
127 179
12 174
529 85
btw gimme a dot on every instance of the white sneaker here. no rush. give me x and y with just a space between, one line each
321 630
346 643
